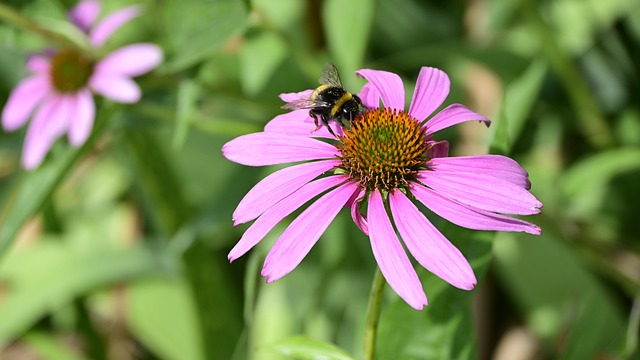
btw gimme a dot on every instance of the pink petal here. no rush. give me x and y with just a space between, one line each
432 87
85 14
482 192
359 219
39 64
491 165
50 121
370 96
298 122
82 118
388 85
452 115
117 88
277 186
427 245
131 60
288 97
469 217
390 256
298 239
112 22
23 100
437 149
270 218
267 148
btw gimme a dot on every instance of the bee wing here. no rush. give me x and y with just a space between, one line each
304 103
330 76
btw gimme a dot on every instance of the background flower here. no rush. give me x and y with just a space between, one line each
59 90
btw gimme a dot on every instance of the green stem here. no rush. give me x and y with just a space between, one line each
13 17
373 315
593 125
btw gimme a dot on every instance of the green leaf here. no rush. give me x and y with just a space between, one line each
49 348
562 301
163 317
188 92
37 186
519 98
260 56
299 347
198 30
41 278
444 330
347 25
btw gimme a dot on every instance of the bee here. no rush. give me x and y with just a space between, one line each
329 101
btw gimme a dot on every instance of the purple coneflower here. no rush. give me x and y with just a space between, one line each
59 90
384 162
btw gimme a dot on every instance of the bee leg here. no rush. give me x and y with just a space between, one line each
325 121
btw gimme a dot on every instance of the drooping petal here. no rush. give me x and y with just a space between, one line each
85 14
359 219
268 148
270 218
82 118
428 246
298 239
277 186
23 100
298 122
390 256
452 115
432 87
131 60
491 165
288 97
50 121
112 22
483 192
38 64
388 85
370 96
468 217
117 88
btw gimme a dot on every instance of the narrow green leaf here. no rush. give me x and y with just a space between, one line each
51 275
347 25
519 97
597 170
188 92
37 186
50 348
302 348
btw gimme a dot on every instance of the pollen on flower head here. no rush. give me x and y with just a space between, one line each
383 149
70 71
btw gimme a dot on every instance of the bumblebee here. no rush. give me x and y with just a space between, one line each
329 101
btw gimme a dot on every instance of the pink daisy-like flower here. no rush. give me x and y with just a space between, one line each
59 91
386 160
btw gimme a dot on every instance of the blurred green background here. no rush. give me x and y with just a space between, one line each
117 250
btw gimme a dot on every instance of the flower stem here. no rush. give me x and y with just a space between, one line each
373 315
71 39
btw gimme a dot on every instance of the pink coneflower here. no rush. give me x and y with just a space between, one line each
387 160
59 90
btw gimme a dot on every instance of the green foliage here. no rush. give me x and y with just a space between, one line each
121 244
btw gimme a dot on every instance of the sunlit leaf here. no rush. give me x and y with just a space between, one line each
302 348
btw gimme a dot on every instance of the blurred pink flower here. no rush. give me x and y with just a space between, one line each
386 160
59 91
